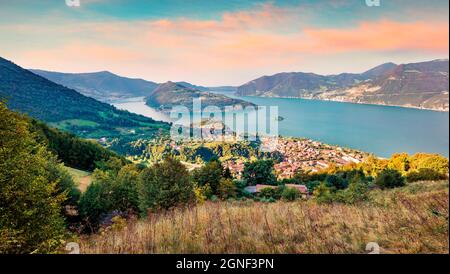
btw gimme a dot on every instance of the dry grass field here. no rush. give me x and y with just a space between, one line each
413 219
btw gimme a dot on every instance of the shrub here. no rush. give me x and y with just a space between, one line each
357 191
311 185
165 185
96 201
323 193
424 174
290 194
110 192
268 192
390 178
202 193
227 189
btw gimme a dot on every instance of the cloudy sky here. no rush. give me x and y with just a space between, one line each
220 42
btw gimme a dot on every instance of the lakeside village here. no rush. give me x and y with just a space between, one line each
300 154
290 155
297 154
212 138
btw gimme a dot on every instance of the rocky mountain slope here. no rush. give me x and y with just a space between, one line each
420 85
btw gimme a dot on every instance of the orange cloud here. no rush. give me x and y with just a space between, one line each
381 36
241 43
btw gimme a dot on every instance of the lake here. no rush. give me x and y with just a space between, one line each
382 130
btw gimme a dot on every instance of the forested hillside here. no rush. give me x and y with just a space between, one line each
67 109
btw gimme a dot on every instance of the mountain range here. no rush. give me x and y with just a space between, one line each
103 86
67 109
107 86
419 85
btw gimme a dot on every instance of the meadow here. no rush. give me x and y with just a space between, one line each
411 219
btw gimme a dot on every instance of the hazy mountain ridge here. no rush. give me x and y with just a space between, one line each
420 85
107 86
104 85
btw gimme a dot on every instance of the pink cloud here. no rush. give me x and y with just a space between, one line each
240 43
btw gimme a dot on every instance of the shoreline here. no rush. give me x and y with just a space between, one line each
348 102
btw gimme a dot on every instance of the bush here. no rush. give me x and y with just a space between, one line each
424 174
323 193
312 185
290 194
165 185
357 191
108 192
390 178
269 192
97 200
227 189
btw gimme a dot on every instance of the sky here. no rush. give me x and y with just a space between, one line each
220 42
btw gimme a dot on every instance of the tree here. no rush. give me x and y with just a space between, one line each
165 185
97 201
125 189
227 189
424 174
336 182
30 205
210 174
400 162
110 191
430 161
259 172
65 185
390 178
373 166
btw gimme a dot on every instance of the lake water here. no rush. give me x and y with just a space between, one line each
381 130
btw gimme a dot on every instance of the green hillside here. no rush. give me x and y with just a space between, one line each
69 110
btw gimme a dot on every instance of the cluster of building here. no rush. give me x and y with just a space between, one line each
308 155
304 154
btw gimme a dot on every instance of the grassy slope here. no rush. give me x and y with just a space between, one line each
413 219
81 178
